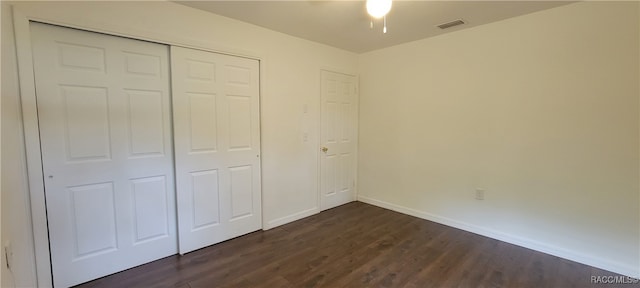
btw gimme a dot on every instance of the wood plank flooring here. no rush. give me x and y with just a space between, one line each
358 245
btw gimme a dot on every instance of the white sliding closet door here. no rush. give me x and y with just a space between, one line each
104 119
217 142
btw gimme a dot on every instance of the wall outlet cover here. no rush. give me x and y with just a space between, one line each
480 193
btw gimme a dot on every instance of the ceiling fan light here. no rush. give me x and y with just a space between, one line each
378 8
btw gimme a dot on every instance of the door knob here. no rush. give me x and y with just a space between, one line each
324 149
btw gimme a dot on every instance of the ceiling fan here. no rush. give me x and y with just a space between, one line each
379 9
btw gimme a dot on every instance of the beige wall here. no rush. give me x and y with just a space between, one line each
291 80
540 110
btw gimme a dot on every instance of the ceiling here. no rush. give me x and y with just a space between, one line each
345 24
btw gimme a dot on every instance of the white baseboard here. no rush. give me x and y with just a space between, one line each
290 218
604 264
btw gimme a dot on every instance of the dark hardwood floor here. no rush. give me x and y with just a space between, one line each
359 245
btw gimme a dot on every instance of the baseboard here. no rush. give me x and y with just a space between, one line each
290 218
512 239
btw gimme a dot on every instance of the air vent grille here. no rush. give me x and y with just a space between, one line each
451 24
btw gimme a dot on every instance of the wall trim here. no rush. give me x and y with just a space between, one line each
290 218
35 176
604 264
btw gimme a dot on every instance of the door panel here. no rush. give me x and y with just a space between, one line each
104 118
93 216
216 123
338 132
150 214
146 132
84 105
241 192
206 199
239 108
203 123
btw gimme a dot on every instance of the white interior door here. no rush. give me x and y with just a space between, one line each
338 139
217 138
104 118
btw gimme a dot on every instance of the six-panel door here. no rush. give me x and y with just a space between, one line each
338 134
104 118
217 138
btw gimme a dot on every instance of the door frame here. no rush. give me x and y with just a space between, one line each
356 132
26 82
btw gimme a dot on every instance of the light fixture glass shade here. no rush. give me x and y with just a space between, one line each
378 8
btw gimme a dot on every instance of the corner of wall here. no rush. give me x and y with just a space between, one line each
518 111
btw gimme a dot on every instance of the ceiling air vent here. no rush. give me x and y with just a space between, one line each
451 24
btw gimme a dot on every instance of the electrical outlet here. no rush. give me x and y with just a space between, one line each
480 193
